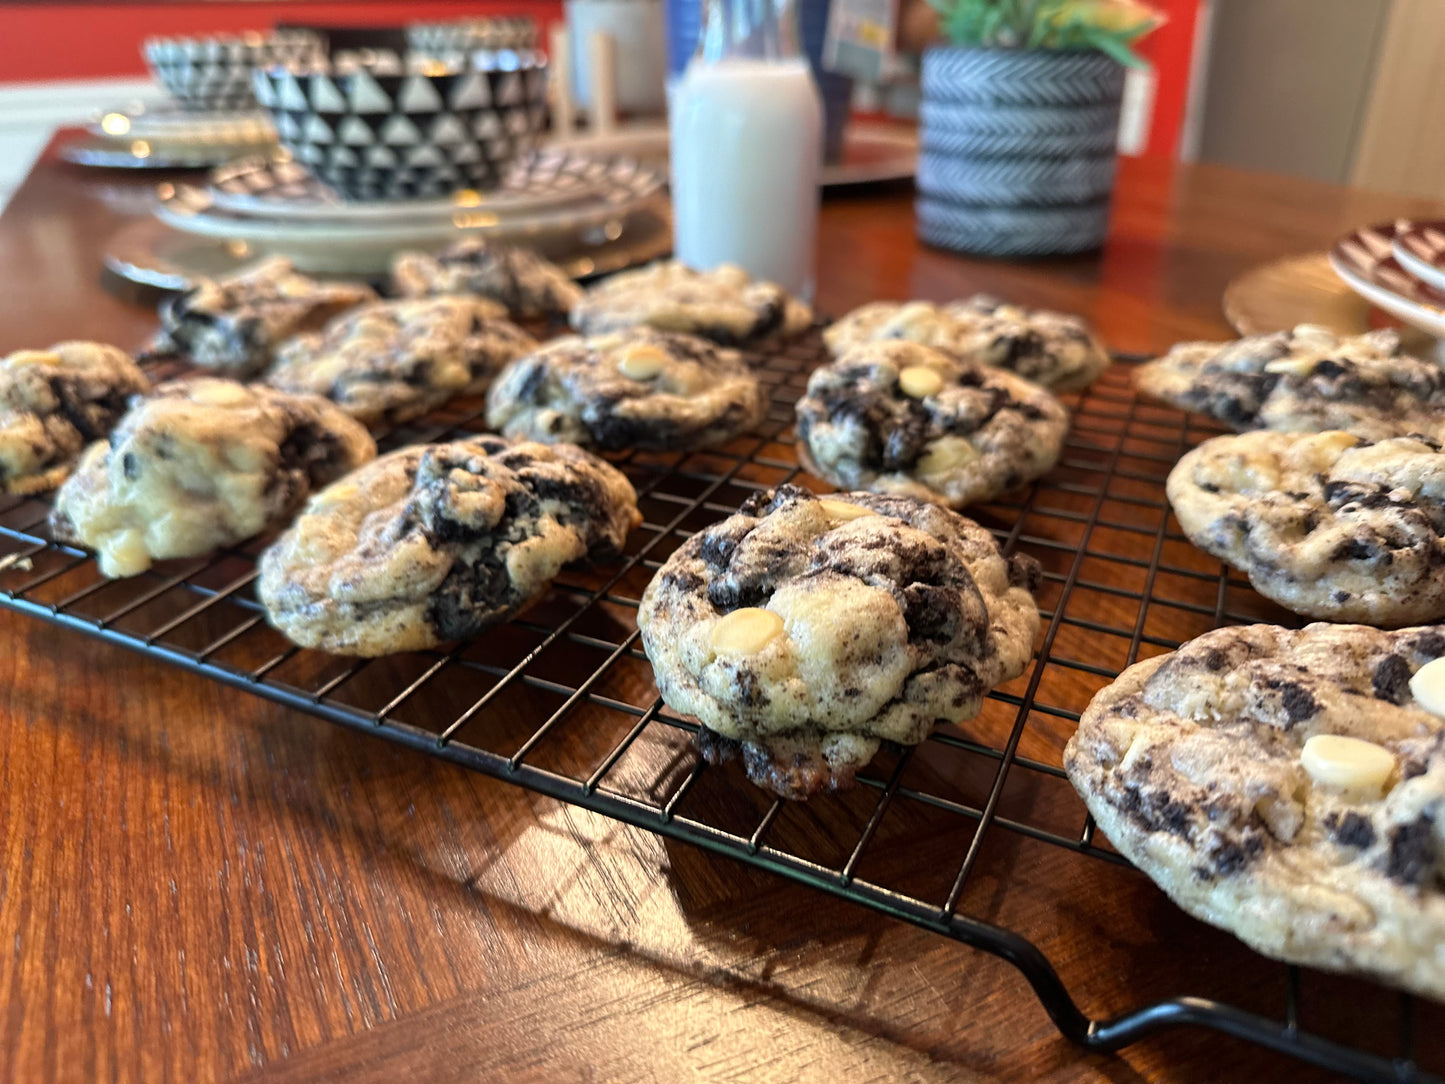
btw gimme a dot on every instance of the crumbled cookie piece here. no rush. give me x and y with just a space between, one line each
528 286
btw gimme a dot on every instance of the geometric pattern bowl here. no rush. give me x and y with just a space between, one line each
214 73
421 128
466 35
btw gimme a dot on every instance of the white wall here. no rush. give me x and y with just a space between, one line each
30 112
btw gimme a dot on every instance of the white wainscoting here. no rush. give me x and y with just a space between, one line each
30 112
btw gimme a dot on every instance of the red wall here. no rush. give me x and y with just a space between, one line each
1170 49
92 41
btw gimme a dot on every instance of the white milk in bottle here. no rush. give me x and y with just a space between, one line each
747 146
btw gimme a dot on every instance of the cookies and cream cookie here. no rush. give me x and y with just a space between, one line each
804 631
1305 380
1052 349
201 464
233 325
898 417
527 285
393 360
437 542
1329 525
1288 786
53 403
634 389
725 305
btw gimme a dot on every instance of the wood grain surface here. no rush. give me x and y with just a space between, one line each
197 884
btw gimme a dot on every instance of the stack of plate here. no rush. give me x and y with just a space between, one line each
164 135
591 214
1399 267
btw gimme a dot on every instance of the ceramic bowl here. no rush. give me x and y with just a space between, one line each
214 73
467 35
385 127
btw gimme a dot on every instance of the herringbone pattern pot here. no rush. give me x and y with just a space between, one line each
1018 149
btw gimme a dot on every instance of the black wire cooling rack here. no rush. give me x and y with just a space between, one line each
1120 583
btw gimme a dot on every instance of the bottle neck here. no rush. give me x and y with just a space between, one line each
748 30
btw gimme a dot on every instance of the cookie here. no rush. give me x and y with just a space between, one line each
233 325
635 389
724 305
393 360
438 542
804 631
53 403
897 417
1304 381
1288 786
201 464
1052 349
528 286
1329 525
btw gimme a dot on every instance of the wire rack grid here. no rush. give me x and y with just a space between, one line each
563 703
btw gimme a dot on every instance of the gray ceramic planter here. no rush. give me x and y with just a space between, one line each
1017 149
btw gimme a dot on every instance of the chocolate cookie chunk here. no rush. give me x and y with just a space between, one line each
803 631
635 389
724 305
234 325
526 285
53 403
1304 381
1052 349
201 464
1288 786
897 417
438 542
1329 525
393 360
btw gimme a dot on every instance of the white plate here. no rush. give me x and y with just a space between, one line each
140 154
1420 248
166 123
366 247
1365 260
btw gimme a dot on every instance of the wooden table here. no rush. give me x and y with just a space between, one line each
198 884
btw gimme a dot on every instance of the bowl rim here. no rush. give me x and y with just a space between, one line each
467 60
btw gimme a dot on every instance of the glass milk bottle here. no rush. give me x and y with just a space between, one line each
747 146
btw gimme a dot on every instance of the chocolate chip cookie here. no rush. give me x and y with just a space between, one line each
1052 349
201 464
53 403
1329 525
1305 380
233 325
635 389
438 542
528 286
898 417
804 631
392 360
724 305
1288 786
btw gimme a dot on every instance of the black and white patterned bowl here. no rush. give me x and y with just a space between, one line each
465 35
214 73
383 127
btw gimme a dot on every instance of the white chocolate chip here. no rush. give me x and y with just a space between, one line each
642 362
1301 365
843 510
1428 686
23 358
1345 763
219 393
945 454
746 631
919 381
